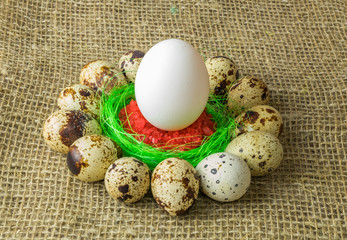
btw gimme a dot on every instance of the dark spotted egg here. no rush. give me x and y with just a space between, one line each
260 118
224 177
80 97
127 180
175 185
90 156
129 63
102 75
222 73
64 127
262 151
247 92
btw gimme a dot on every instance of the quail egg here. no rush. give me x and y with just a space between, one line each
262 151
224 176
262 118
129 63
222 73
64 127
90 156
246 93
80 97
175 185
102 75
127 180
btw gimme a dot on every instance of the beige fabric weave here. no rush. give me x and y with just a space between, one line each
298 48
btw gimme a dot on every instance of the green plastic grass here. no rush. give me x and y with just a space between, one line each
112 104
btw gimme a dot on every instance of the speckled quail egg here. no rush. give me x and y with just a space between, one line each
102 75
175 185
246 93
90 156
262 118
262 151
80 97
64 127
222 73
224 176
129 63
127 180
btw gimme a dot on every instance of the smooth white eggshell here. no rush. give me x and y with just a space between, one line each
172 85
224 177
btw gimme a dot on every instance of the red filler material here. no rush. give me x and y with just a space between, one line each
186 139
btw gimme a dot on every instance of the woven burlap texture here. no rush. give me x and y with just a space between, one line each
297 47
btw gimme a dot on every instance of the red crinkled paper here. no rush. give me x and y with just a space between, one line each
186 139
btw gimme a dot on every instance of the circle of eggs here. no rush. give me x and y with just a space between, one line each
224 177
90 156
127 180
172 85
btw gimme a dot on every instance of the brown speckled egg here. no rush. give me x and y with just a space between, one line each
262 118
80 97
129 63
175 185
90 156
262 151
127 180
246 93
101 75
222 73
64 127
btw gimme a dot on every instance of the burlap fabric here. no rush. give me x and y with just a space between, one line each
298 48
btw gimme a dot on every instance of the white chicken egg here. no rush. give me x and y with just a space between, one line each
172 85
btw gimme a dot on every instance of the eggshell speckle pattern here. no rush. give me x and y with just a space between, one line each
175 185
262 118
246 93
224 177
127 180
129 63
64 127
101 75
80 97
90 156
262 151
222 73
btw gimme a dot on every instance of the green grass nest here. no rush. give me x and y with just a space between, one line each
114 102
